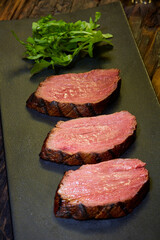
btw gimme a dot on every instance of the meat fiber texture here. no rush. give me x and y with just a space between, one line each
90 140
76 94
104 190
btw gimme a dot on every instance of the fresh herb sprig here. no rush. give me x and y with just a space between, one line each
58 42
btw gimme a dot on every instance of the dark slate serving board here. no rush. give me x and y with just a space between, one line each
33 182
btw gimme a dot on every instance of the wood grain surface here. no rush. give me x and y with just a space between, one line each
144 20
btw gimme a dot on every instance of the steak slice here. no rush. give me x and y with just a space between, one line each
104 190
89 140
76 94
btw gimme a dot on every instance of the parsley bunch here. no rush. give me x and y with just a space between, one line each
58 42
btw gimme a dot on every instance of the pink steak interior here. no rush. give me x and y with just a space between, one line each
104 183
80 88
94 134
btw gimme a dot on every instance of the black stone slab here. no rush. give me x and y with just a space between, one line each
33 182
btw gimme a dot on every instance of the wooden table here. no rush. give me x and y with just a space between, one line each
144 20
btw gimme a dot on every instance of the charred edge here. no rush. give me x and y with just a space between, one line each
133 136
125 145
79 158
41 102
91 109
60 156
109 211
123 207
114 94
59 203
42 105
142 192
49 154
60 209
76 110
117 90
82 209
58 108
147 186
98 158
45 155
112 153
68 212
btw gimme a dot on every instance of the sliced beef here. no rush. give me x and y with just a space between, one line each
89 140
104 190
76 94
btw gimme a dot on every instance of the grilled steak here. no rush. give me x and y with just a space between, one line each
89 140
76 94
104 190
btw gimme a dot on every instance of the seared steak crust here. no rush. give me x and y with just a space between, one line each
119 186
63 208
71 109
81 158
80 140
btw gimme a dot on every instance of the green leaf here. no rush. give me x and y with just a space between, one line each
39 66
107 35
97 16
35 57
30 40
58 42
78 39
17 38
